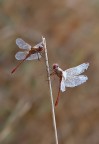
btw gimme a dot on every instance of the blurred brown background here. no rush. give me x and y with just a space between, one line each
71 28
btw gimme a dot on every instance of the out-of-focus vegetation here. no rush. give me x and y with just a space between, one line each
71 28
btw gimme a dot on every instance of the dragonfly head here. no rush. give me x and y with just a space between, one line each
41 47
55 66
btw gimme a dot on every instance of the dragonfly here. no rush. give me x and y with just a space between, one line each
70 77
29 53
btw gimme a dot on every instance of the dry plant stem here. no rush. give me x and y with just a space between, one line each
50 87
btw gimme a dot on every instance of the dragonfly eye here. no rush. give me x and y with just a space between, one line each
41 46
55 66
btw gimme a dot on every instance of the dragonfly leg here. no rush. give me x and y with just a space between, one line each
38 56
53 73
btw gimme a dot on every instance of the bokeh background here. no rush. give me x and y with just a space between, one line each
71 28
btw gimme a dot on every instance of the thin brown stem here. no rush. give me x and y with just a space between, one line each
50 87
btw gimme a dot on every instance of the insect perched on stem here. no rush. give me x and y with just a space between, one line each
30 53
70 77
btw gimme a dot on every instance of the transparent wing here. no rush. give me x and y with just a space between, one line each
39 45
22 44
77 70
75 80
21 55
64 75
62 87
35 56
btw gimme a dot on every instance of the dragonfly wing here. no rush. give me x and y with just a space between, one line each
39 45
21 55
64 75
22 44
77 70
62 86
35 56
75 80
